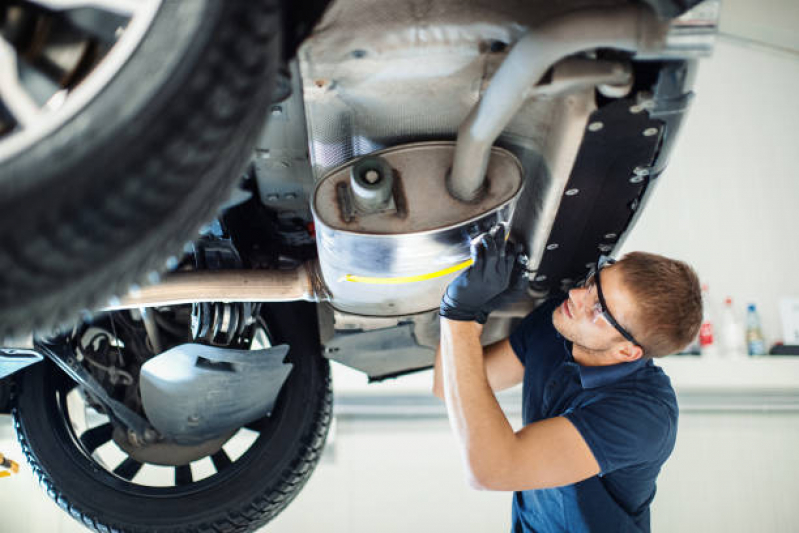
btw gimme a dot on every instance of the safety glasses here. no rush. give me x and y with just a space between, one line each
601 307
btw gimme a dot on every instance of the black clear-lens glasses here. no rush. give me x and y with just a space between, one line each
602 262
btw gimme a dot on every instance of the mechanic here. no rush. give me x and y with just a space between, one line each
600 418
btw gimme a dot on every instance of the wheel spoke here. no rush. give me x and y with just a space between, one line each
221 460
128 468
12 93
96 436
118 7
183 475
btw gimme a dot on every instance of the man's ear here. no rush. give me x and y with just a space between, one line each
628 352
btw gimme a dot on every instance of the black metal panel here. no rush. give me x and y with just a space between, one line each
603 191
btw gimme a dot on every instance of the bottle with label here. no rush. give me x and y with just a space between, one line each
732 333
755 343
707 342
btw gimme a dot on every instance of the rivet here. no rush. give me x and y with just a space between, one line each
277 110
641 171
542 277
291 196
636 109
595 126
636 179
610 235
572 192
153 277
171 263
650 132
605 247
552 246
272 197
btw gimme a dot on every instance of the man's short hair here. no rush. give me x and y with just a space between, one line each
668 301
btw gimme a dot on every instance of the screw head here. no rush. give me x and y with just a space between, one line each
272 197
610 235
595 126
552 246
291 196
277 110
636 179
605 247
650 132
542 277
636 109
641 171
572 192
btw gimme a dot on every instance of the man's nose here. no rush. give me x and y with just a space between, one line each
576 296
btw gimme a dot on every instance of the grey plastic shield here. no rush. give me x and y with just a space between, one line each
194 392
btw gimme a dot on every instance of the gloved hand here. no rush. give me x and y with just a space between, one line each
483 287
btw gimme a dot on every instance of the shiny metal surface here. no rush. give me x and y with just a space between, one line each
379 73
227 286
398 263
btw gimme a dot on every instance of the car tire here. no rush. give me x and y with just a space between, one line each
239 498
99 203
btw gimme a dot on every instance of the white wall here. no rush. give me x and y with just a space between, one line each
728 202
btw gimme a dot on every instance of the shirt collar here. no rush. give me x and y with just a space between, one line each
592 377
596 376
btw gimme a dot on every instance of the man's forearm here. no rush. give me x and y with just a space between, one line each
482 430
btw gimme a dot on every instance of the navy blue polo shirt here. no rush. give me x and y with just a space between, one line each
627 414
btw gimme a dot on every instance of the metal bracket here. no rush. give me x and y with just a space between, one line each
66 361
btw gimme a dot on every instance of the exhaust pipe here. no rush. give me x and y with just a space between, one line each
300 284
629 28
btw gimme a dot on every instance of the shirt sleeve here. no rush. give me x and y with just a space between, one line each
524 337
627 430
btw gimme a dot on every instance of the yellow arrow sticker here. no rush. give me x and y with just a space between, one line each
407 279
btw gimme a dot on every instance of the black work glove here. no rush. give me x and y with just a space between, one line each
483 287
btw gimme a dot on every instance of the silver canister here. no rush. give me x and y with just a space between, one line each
398 259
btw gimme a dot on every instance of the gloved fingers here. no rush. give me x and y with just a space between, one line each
500 238
489 240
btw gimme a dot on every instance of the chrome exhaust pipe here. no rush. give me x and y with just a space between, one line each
629 28
300 284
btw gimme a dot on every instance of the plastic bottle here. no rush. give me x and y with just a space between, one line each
708 344
732 333
755 343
